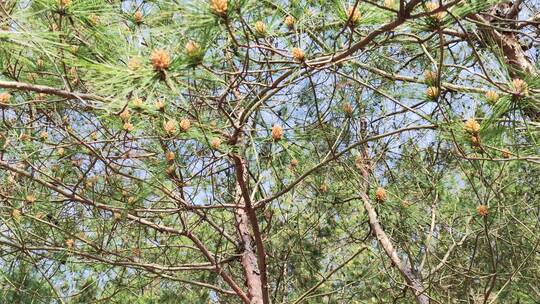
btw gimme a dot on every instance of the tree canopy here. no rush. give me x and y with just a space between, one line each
255 151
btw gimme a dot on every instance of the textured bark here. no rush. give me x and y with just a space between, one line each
253 261
514 54
519 64
248 259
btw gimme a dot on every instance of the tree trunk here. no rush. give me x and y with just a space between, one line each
519 64
248 259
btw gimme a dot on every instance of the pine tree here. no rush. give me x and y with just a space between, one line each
242 151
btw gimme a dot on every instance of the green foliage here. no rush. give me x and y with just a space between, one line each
103 201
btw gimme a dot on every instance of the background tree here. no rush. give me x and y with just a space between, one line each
241 151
